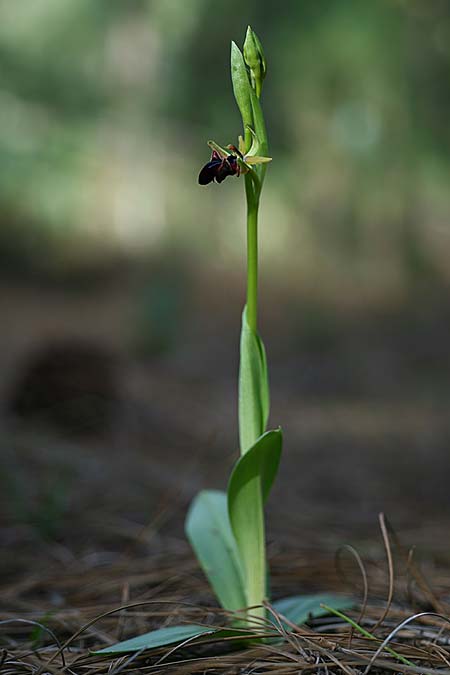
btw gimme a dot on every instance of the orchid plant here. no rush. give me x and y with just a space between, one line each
226 529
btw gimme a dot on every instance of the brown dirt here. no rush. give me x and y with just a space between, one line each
91 519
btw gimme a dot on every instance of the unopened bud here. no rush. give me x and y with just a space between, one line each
255 60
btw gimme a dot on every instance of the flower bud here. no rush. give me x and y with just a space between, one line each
255 60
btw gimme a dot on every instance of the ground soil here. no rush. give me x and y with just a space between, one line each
92 513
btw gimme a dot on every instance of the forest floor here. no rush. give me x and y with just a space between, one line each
92 509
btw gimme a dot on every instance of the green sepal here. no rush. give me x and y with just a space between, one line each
209 532
254 398
248 489
223 152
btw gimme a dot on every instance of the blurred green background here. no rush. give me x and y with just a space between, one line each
106 107
106 238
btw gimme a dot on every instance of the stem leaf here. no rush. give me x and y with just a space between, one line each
254 398
209 532
248 489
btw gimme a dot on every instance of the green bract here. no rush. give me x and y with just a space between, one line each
226 530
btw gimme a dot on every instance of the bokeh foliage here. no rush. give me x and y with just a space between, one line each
105 108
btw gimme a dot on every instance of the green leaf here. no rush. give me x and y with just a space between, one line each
157 638
177 634
297 609
254 399
248 489
209 532
242 90
300 608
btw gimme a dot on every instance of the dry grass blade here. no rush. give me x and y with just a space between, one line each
42 627
368 635
416 573
363 572
390 561
440 652
293 638
181 645
322 646
124 663
396 630
90 623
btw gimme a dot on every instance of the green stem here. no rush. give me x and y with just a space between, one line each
252 254
257 574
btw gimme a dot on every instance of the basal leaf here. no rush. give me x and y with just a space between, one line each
209 532
248 489
173 635
253 387
157 638
299 608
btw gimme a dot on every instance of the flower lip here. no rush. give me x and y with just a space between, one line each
228 161
218 168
